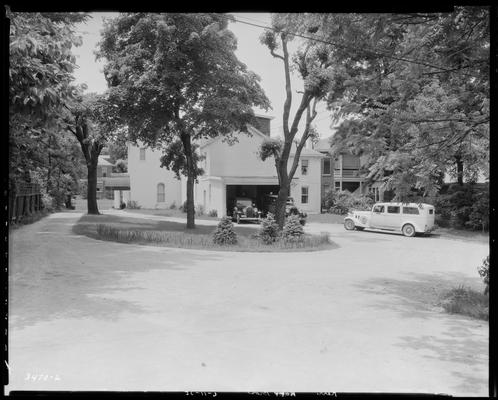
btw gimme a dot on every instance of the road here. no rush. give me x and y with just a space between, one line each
93 315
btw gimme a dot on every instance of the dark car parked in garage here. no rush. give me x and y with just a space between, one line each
245 210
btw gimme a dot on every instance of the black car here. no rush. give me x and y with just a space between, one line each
245 210
290 209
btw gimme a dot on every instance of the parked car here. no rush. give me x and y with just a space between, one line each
407 218
270 200
245 210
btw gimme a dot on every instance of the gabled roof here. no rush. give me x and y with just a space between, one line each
103 161
250 128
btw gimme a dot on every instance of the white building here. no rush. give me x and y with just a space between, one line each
230 171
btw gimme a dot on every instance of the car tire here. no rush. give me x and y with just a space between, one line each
349 225
408 230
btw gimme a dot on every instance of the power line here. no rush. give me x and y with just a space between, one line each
443 69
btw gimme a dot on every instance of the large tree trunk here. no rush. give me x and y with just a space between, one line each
283 194
92 188
187 147
459 165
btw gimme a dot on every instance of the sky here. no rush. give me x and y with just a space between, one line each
249 50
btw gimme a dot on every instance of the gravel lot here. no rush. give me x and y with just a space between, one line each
93 315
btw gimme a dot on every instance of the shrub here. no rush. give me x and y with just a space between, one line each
293 230
183 207
132 204
199 210
83 189
484 273
269 230
466 301
213 213
172 206
48 202
122 205
463 207
224 233
341 202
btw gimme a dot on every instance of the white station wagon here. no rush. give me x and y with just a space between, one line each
407 218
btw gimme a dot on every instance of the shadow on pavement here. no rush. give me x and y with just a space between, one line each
57 274
417 296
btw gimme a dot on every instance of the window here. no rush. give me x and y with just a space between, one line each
378 209
337 185
142 154
410 210
304 167
326 166
393 209
160 193
104 174
431 211
304 195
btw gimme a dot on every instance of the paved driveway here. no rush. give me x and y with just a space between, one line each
95 315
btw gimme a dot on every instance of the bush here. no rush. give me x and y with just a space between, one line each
213 213
172 206
466 301
484 273
224 233
293 230
269 230
463 207
48 202
183 207
83 189
341 202
132 204
122 205
199 210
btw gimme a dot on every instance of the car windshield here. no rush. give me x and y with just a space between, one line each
244 202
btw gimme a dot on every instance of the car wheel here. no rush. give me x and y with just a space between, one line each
408 230
349 225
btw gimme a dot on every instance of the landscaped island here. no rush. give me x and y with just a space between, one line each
175 234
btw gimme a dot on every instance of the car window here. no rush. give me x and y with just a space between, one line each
378 209
431 211
410 210
393 209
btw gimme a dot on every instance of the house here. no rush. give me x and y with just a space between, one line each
109 184
348 174
230 171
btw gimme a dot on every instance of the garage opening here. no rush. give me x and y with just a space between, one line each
255 192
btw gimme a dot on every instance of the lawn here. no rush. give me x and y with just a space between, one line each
169 212
174 234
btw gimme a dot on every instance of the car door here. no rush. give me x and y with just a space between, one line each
393 217
377 219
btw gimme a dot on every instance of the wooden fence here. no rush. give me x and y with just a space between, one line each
24 201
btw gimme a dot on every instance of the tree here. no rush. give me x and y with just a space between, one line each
315 68
92 121
175 79
418 88
40 76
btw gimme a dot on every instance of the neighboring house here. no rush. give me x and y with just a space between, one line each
109 184
348 175
230 171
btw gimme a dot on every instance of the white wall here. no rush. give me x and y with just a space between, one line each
241 159
145 176
312 181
